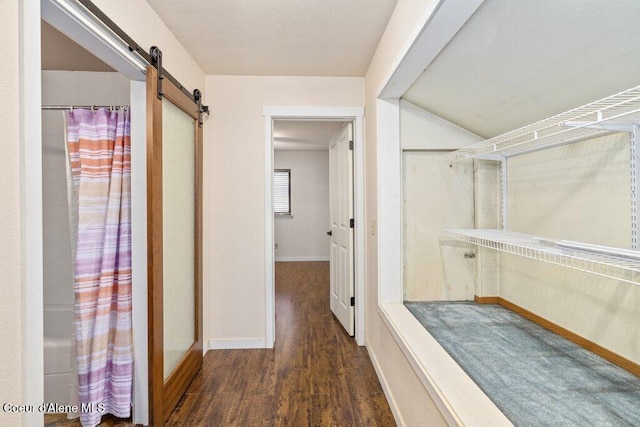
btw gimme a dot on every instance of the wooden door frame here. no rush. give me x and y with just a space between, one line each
356 115
163 396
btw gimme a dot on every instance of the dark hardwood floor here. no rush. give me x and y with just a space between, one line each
315 376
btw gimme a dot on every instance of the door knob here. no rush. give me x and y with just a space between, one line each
329 233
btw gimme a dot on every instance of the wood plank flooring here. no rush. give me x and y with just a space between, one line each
315 376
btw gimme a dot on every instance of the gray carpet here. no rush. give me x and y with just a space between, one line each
534 376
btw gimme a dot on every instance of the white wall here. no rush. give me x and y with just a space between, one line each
487 214
409 398
421 130
65 88
303 236
11 371
435 196
138 19
234 234
577 192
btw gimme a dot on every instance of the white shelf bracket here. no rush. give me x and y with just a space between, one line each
633 146
504 194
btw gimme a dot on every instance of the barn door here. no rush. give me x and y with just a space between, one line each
174 186
341 232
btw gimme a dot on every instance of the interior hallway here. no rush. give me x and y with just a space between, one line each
315 375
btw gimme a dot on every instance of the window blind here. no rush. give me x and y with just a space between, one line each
282 191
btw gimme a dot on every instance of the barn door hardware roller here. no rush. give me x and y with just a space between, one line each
156 61
197 95
155 56
202 109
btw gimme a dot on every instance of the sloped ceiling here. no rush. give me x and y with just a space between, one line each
516 61
278 37
303 134
59 52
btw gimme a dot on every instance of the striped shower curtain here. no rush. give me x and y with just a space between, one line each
99 144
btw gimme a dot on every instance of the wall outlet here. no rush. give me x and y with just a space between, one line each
276 246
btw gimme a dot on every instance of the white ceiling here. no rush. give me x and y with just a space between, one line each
516 62
303 135
278 37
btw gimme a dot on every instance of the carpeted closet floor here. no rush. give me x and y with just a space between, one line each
534 376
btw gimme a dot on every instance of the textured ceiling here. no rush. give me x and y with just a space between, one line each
278 37
59 52
516 62
303 135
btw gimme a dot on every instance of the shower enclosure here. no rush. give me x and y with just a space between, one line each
64 88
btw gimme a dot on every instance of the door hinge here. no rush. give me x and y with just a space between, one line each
352 223
353 301
350 145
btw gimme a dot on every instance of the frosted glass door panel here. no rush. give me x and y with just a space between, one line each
178 210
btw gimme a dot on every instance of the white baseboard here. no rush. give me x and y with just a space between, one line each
301 258
235 344
387 393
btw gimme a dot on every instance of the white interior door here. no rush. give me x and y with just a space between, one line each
341 232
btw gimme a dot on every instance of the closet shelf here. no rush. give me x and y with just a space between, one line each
624 267
615 113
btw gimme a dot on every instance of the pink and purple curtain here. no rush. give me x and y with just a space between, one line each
99 153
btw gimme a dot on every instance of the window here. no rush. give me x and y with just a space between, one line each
282 191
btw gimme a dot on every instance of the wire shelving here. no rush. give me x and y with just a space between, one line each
622 267
614 113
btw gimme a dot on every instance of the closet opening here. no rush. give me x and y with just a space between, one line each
556 229
530 204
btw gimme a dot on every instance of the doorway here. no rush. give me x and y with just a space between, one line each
341 114
83 23
70 76
313 193
116 81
